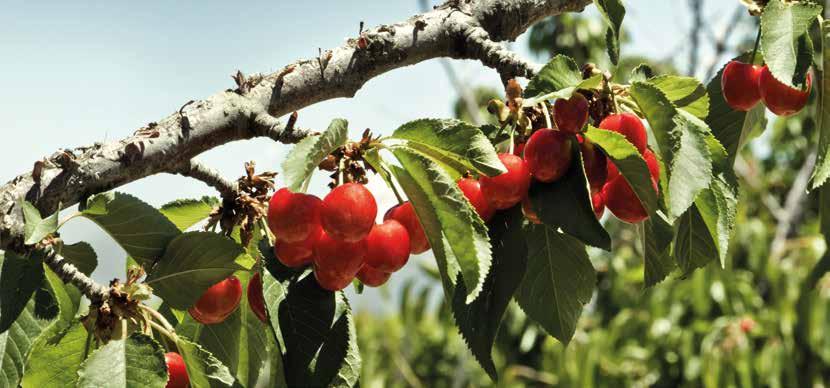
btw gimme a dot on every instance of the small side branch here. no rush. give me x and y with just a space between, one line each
210 177
493 54
68 273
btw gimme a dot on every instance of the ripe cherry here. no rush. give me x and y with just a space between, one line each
747 324
598 201
612 170
530 214
571 115
292 217
507 189
472 190
739 84
176 371
623 202
372 277
405 214
348 212
519 149
387 246
548 154
297 254
628 125
653 166
780 98
255 298
336 262
596 167
218 302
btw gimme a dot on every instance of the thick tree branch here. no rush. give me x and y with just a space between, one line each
70 274
457 29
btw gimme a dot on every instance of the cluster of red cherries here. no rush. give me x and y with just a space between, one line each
338 235
745 84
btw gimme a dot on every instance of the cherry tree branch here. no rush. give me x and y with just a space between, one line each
209 176
458 29
68 273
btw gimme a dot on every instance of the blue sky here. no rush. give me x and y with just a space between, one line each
73 74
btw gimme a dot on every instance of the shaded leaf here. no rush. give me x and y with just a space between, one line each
20 277
613 12
136 361
203 368
822 169
81 255
185 213
16 342
192 263
304 158
136 226
656 235
693 243
560 73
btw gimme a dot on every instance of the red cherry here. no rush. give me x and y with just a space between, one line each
780 98
548 154
739 84
598 200
595 165
349 212
176 371
297 254
628 125
336 262
612 170
530 214
472 190
387 246
623 202
571 115
653 166
255 298
405 214
372 277
218 302
505 190
292 217
519 149
747 324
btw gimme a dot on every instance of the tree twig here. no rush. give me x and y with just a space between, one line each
68 273
209 176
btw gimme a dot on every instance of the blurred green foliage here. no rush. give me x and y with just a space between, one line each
750 324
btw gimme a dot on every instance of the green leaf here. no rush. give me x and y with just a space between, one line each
19 279
479 321
641 73
656 235
681 138
320 340
566 204
36 228
718 207
203 368
463 230
560 73
629 162
304 158
685 93
185 213
560 279
67 298
56 357
613 12
453 141
16 342
242 342
192 263
137 361
693 243
138 227
822 169
823 265
784 29
81 255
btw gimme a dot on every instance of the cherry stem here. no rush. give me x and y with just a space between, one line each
512 131
155 314
547 116
163 331
755 48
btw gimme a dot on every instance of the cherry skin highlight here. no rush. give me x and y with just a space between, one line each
372 277
336 262
405 214
548 154
571 115
596 167
348 212
387 246
628 125
176 371
218 302
621 200
255 298
292 217
780 98
472 190
739 84
297 254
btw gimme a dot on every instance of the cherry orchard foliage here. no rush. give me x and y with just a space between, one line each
507 211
